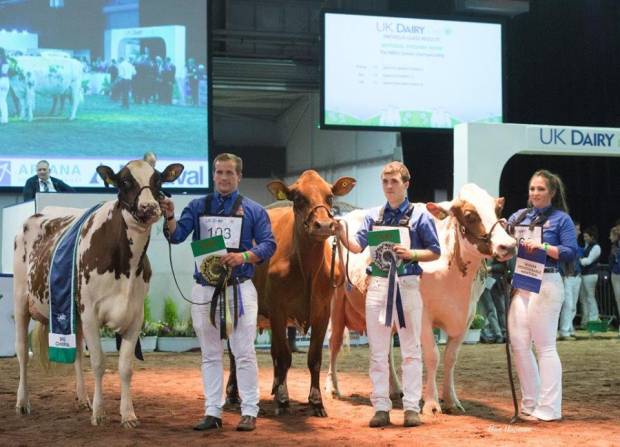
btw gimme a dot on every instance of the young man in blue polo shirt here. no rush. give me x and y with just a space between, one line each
394 300
246 228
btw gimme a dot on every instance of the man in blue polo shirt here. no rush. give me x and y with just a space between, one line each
249 240
395 300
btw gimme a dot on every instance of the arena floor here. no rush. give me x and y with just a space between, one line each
168 400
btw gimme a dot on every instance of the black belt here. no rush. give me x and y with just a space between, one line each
551 270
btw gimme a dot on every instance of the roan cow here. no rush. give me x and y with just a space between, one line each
111 279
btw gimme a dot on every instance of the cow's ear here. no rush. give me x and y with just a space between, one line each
107 175
279 190
172 172
499 205
438 211
343 186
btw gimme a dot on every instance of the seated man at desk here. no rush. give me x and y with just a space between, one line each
43 182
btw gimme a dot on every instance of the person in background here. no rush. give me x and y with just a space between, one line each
571 277
589 275
493 304
614 264
533 317
126 72
4 86
43 182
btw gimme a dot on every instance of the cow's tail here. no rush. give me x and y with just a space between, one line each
40 343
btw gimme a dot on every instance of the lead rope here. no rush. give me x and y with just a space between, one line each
174 276
509 294
337 242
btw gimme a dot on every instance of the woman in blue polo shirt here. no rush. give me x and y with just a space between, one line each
534 317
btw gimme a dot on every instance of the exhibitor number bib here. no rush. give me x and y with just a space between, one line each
227 227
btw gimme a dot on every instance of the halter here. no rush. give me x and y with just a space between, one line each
486 237
133 207
312 211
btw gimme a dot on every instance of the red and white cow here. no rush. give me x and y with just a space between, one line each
51 75
113 274
469 231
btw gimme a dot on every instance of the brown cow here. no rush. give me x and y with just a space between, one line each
112 278
295 285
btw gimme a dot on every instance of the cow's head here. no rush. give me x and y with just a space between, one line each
312 199
478 216
139 187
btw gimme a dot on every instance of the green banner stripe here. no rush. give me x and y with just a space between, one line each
61 355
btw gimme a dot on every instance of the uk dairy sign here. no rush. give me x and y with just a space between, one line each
580 138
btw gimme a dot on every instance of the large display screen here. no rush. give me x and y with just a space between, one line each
396 72
104 82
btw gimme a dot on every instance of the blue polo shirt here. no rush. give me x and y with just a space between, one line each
422 230
558 230
256 229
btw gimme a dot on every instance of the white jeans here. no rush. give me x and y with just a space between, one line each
241 344
4 91
534 318
569 306
589 307
615 284
380 338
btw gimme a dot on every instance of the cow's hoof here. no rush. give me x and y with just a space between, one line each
83 404
319 411
233 400
396 395
332 390
99 419
130 422
431 408
282 408
455 409
22 409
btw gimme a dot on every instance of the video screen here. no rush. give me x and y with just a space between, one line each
90 82
395 72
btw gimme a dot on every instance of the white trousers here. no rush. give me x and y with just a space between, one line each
589 307
569 306
380 338
241 344
4 91
615 284
535 318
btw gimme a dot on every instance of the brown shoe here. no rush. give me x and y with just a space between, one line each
247 423
380 419
209 423
412 419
